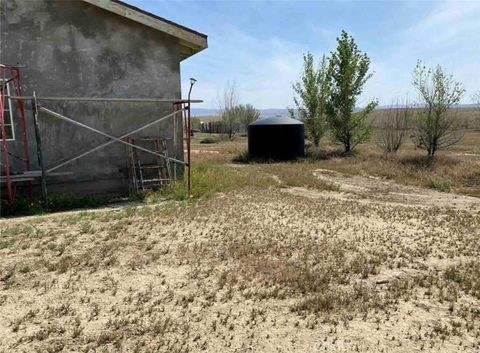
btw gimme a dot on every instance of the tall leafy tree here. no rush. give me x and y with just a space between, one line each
436 127
347 74
311 96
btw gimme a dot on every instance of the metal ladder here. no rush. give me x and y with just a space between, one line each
148 174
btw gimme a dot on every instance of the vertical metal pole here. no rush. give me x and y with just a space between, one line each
6 159
189 133
175 123
188 150
39 151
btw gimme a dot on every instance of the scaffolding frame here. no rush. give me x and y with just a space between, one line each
14 77
180 106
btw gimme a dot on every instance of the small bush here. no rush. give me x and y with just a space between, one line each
242 157
20 206
440 184
466 275
209 140
453 274
393 129
418 163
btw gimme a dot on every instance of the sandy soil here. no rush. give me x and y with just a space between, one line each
375 189
371 267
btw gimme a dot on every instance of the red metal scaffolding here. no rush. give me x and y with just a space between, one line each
11 74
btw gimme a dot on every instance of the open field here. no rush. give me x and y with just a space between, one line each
331 254
469 117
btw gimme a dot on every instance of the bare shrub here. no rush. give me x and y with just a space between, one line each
476 100
435 128
227 103
393 129
235 117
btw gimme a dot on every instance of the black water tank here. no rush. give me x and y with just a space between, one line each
276 138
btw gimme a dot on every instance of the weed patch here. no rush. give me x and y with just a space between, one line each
56 203
440 184
209 140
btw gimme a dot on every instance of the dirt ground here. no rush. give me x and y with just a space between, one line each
363 265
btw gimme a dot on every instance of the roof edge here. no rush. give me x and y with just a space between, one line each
191 40
275 121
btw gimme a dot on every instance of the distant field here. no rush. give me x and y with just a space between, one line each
469 118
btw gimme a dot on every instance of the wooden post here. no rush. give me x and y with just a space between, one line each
39 151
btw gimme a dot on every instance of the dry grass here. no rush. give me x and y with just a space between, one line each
314 255
469 118
458 173
255 268
457 169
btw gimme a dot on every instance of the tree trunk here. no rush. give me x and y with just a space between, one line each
348 146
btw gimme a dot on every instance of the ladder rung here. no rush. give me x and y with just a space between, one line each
151 166
154 180
154 173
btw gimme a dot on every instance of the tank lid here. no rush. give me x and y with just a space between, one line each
274 120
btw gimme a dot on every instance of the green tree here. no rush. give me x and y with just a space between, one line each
347 74
196 123
435 127
247 115
311 97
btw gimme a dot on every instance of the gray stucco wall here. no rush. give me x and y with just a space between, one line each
71 48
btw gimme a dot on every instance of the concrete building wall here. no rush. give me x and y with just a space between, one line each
71 48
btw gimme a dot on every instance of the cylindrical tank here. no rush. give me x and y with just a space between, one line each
276 138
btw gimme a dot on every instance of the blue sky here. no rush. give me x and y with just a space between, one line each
258 45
